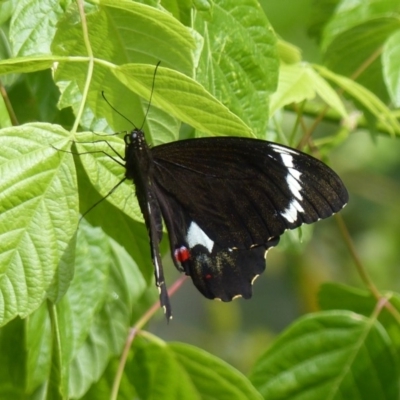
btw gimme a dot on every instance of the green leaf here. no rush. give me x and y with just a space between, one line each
26 64
239 61
180 9
38 214
155 366
212 377
321 12
203 5
121 207
337 296
391 67
92 319
57 388
183 97
73 315
33 25
365 97
109 328
13 358
105 173
5 120
38 347
300 82
349 14
288 53
134 27
329 355
6 10
120 32
356 47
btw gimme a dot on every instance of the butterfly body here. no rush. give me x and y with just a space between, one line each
225 201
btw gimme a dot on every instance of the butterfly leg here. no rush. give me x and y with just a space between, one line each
154 224
160 282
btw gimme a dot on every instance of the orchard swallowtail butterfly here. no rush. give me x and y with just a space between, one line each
225 202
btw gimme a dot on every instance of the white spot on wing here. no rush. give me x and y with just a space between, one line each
293 183
296 174
281 149
290 214
287 160
196 235
293 175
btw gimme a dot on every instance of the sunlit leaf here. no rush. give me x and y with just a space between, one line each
38 214
239 62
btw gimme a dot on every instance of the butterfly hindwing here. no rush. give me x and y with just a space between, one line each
217 272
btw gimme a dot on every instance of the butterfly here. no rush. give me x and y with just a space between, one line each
225 202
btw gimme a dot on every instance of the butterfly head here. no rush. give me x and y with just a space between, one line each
137 155
135 138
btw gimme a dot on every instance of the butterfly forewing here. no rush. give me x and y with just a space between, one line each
244 191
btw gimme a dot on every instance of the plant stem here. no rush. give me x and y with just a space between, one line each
362 271
90 66
132 333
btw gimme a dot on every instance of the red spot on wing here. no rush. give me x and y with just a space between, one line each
208 276
182 254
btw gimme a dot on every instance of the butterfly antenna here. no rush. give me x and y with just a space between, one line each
151 93
113 108
102 199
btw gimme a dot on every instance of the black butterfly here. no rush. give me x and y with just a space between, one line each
225 202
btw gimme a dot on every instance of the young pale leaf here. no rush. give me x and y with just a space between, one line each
300 82
365 97
119 32
38 214
182 97
391 67
33 25
26 64
330 355
135 27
